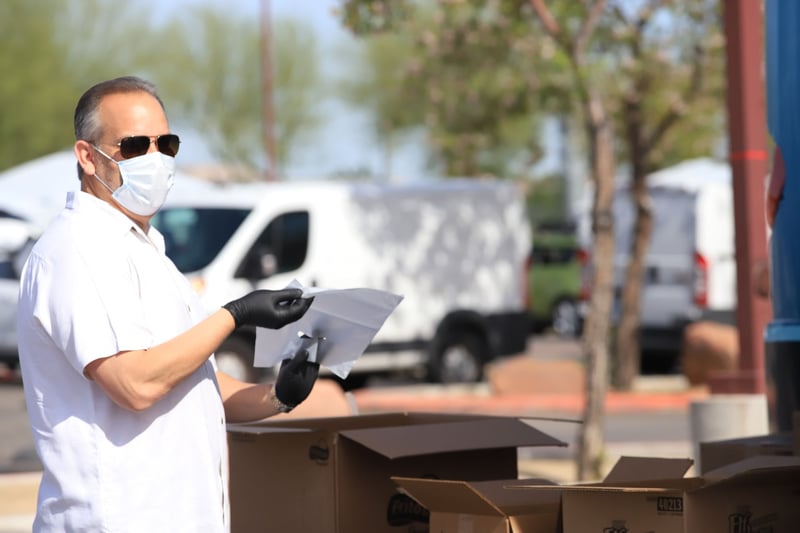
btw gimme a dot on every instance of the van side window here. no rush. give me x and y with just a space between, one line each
194 236
281 247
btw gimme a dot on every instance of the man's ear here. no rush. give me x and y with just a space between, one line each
85 155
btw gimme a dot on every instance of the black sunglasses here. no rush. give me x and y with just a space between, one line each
139 145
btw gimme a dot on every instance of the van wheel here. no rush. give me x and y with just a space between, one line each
458 358
235 358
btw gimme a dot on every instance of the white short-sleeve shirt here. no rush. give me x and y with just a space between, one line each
94 285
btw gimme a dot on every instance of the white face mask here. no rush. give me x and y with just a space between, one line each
146 180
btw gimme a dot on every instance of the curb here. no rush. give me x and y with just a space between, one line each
410 399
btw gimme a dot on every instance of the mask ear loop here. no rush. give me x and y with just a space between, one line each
121 181
105 154
104 183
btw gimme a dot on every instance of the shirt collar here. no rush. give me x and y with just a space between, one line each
115 220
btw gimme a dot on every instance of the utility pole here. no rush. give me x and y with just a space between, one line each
747 131
267 93
738 404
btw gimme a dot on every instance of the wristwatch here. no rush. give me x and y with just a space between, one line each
277 404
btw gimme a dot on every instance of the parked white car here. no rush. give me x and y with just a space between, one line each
10 266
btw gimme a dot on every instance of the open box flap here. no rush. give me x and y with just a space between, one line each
336 423
503 494
447 496
753 467
772 440
495 497
246 429
628 469
423 439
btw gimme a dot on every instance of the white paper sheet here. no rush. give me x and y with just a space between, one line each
336 329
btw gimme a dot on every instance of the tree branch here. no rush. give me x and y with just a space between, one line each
619 14
587 27
646 12
676 110
548 21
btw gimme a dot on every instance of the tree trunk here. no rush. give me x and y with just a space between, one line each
627 363
596 331
628 350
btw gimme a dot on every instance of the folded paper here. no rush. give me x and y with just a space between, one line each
335 330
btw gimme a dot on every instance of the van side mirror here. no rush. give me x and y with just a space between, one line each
260 263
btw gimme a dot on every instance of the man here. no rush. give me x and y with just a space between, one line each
126 405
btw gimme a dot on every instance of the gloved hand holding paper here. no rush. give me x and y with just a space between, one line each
335 330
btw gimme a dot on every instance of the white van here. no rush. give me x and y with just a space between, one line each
457 251
690 267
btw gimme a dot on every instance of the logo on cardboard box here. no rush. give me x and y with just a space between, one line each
617 526
403 511
743 521
739 523
669 504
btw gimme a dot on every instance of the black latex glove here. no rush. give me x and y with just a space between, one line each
269 309
296 378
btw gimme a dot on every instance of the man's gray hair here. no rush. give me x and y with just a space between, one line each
87 119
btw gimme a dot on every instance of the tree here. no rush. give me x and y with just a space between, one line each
670 85
572 35
469 86
469 73
653 76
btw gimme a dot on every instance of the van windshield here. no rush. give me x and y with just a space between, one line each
194 236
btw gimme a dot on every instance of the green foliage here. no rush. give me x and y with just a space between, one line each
367 17
484 72
670 80
547 199
376 81
49 55
206 64
35 94
468 78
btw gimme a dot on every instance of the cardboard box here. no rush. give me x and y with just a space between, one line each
486 506
757 494
754 495
716 454
518 506
334 474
